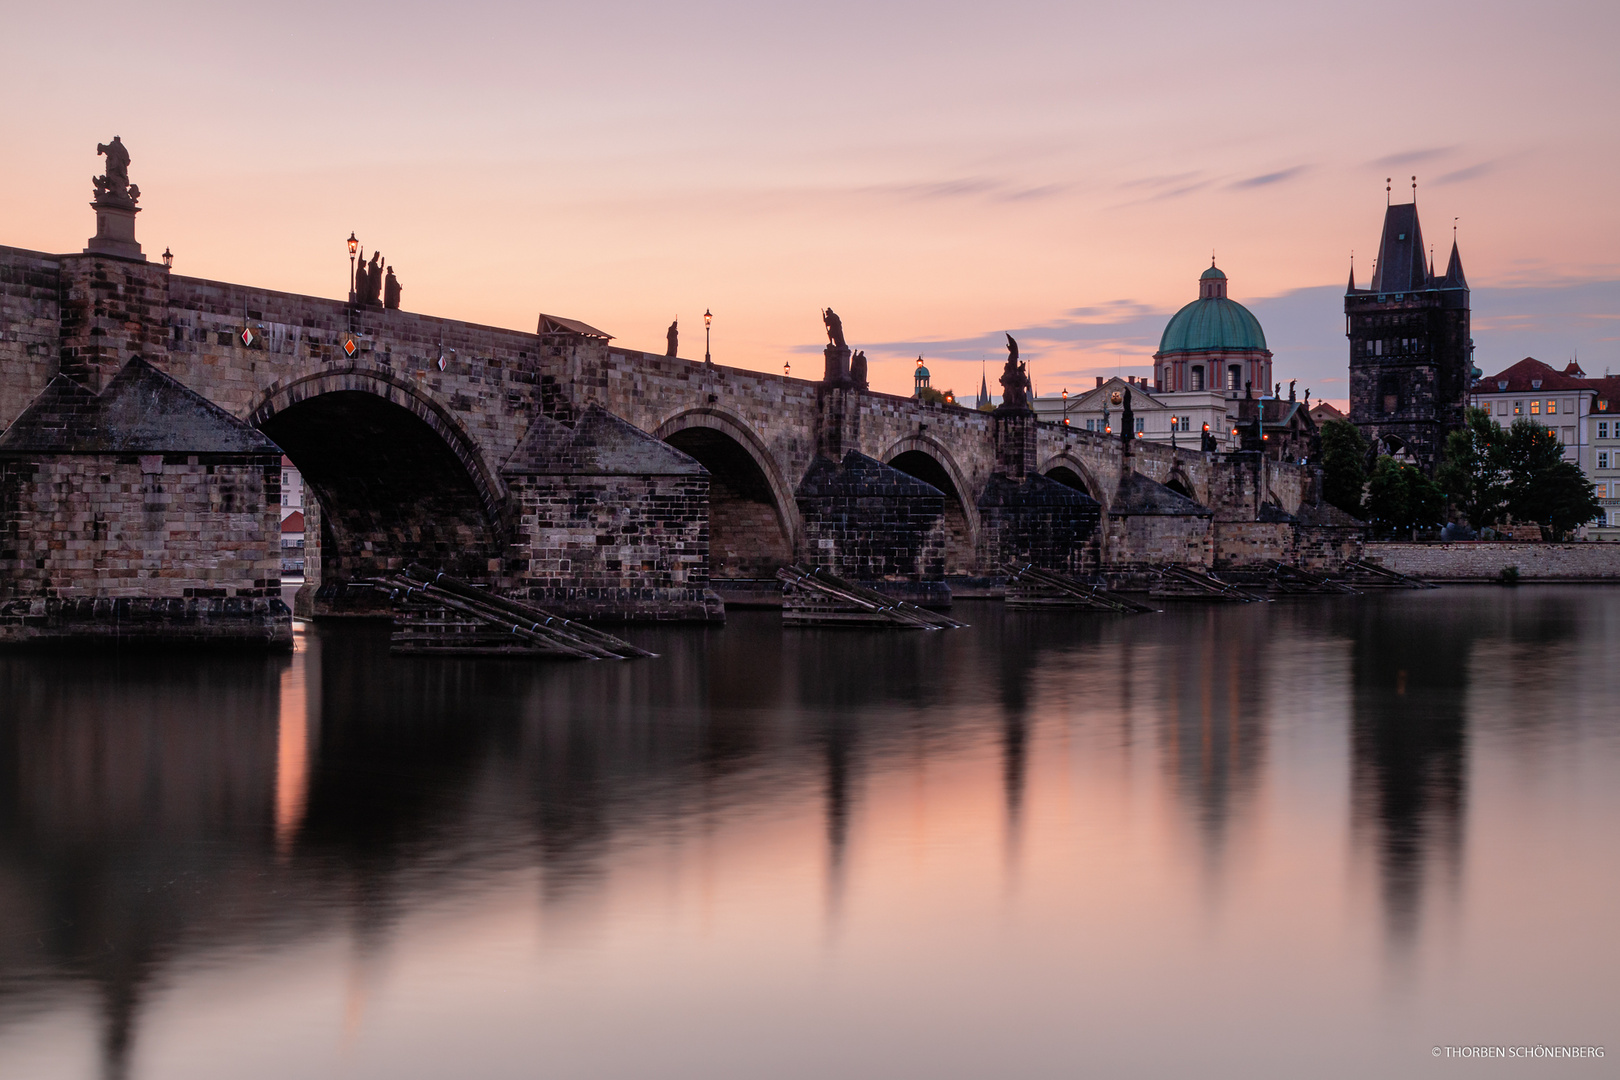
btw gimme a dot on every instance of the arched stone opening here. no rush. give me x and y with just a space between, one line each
1179 485
750 535
961 524
1066 476
390 488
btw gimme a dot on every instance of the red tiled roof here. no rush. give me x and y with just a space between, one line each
293 522
1520 376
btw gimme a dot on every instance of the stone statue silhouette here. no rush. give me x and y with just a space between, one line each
857 370
391 290
1291 383
374 279
1014 379
672 335
115 186
1127 419
835 327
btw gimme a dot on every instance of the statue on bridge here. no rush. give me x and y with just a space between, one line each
391 291
368 289
1015 384
857 371
835 327
837 352
1127 419
114 187
672 335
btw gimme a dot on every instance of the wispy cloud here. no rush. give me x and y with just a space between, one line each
1412 157
969 187
1467 174
1269 178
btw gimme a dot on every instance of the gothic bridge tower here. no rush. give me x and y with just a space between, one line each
1411 353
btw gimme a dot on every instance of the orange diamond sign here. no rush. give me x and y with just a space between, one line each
247 337
349 347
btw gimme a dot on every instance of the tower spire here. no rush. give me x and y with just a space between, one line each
1352 287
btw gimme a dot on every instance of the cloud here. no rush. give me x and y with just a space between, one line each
1467 174
943 189
1269 178
965 188
1412 157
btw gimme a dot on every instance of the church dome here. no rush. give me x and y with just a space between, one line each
1212 322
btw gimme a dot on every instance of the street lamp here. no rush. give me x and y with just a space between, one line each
354 245
708 317
1067 405
787 368
168 259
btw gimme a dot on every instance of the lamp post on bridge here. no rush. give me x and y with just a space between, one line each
1067 405
354 245
708 317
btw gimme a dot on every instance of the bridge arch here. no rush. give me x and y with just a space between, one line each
397 478
929 460
1069 470
754 525
1182 484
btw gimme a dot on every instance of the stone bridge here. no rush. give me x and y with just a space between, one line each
543 461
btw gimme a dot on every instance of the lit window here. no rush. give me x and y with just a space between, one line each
1552 407
1535 408
1602 490
1518 408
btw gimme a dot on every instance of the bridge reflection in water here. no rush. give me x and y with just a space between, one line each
1044 840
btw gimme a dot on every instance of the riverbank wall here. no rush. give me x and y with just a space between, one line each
1485 560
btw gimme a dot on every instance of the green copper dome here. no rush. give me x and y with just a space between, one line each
1212 322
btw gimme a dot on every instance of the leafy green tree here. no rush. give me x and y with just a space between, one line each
1473 475
1401 498
1528 450
1561 498
1344 466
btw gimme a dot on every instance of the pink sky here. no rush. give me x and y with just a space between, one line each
937 173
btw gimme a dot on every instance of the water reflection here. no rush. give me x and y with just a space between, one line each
161 814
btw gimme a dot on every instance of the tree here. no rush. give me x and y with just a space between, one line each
1541 486
1473 475
1560 498
1400 497
1528 451
1344 466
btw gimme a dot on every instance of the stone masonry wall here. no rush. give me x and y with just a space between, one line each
30 327
1484 560
616 546
1252 543
868 522
1157 539
149 526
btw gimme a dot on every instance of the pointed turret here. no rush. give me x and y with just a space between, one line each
1352 286
1454 278
984 391
1400 266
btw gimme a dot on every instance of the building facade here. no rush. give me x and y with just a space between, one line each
1411 349
1582 413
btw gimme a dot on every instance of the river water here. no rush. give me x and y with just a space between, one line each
1322 837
